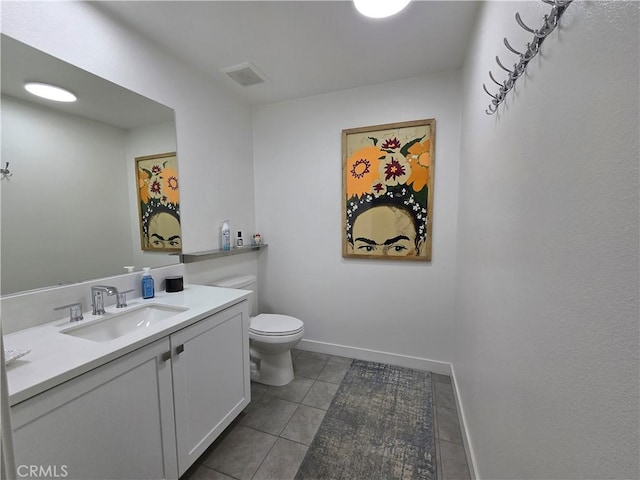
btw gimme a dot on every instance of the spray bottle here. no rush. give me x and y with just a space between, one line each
226 236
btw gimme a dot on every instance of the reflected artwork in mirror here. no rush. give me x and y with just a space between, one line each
69 208
159 202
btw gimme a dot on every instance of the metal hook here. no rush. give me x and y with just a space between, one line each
487 91
494 80
502 66
491 111
533 48
5 171
521 23
509 83
518 70
506 43
550 23
554 16
547 28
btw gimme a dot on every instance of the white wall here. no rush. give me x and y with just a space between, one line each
61 164
547 281
404 308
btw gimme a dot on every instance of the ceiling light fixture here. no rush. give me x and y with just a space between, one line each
50 92
380 8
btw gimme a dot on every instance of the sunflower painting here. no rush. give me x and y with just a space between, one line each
387 191
159 202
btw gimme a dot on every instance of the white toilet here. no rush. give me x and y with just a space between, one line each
271 337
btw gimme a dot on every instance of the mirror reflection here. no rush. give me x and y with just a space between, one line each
69 208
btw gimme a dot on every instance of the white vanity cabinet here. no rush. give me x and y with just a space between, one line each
146 415
113 422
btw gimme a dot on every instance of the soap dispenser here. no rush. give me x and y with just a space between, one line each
148 290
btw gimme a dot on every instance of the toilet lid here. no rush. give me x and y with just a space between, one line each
273 324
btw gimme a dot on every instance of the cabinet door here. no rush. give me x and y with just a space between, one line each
210 379
113 422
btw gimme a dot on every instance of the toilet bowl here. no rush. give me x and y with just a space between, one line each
271 337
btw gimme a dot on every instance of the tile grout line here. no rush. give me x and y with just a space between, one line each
265 457
279 436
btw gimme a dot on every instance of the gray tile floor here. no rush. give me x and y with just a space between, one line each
270 438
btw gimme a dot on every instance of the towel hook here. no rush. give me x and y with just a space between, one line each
521 23
495 81
506 43
532 49
5 172
487 91
502 66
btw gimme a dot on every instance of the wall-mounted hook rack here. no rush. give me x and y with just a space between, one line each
550 22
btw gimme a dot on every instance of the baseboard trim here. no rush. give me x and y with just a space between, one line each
442 368
418 363
471 458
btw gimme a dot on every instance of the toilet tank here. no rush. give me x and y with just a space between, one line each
243 282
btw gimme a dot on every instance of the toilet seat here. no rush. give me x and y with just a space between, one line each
274 325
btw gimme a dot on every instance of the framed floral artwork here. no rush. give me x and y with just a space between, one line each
387 191
159 202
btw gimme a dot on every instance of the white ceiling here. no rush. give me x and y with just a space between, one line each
304 47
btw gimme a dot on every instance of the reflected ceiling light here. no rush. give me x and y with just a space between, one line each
380 8
50 92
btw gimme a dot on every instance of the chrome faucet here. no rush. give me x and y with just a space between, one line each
97 299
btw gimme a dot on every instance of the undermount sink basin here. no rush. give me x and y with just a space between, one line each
115 325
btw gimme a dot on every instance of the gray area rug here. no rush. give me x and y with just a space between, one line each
378 427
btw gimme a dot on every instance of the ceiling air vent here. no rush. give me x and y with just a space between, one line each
246 74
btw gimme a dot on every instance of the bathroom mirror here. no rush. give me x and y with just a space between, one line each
68 194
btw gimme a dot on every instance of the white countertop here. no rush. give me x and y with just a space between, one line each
56 357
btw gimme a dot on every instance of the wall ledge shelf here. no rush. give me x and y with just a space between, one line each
211 254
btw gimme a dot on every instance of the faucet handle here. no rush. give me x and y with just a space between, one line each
75 311
121 298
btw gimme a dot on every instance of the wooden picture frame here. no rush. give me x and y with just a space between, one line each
159 202
387 191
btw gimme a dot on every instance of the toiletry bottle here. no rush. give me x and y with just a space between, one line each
226 236
147 284
239 241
